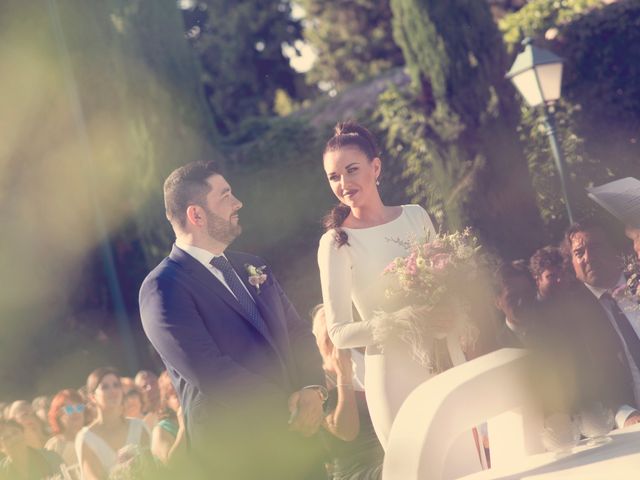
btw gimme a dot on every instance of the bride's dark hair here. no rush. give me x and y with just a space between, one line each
347 134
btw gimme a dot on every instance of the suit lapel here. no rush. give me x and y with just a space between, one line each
200 272
266 311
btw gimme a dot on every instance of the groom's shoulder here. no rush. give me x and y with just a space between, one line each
167 270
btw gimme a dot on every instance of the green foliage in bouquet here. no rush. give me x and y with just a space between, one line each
435 267
439 290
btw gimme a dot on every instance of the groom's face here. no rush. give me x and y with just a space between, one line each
221 210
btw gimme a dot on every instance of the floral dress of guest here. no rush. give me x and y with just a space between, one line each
105 454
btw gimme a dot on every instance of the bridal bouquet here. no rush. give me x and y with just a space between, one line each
435 283
631 289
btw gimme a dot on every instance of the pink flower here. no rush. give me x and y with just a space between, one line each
441 261
391 268
257 280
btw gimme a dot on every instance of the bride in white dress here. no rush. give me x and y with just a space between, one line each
360 241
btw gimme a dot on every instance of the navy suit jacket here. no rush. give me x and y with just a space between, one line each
221 365
579 330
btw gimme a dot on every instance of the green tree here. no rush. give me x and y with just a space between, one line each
240 47
599 115
103 100
352 38
458 123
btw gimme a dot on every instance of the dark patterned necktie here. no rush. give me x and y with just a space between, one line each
626 330
241 294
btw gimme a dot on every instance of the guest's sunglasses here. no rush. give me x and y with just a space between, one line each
70 409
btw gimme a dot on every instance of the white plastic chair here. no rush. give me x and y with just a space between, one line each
425 439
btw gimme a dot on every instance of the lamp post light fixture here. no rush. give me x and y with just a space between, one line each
537 75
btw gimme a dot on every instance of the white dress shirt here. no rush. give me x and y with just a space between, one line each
632 312
518 330
204 257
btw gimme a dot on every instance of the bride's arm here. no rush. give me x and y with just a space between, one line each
335 276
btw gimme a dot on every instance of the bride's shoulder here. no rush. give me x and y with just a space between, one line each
418 214
328 240
415 210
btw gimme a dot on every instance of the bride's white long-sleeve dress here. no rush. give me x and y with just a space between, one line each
353 273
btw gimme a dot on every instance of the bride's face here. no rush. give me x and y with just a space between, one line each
352 175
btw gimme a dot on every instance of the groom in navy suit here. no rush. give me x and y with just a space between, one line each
244 364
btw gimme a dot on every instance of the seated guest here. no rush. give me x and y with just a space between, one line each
598 268
515 298
549 270
22 412
66 418
168 436
133 403
147 382
21 460
98 445
353 445
127 384
632 231
40 407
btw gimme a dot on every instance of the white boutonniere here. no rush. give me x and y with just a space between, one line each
256 275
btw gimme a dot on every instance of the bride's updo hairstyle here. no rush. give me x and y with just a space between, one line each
347 134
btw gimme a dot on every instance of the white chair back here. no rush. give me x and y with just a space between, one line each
425 439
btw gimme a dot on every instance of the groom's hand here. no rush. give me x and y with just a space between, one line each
306 411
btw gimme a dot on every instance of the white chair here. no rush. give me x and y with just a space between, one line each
436 419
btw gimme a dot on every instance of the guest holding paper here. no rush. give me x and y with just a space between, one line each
614 334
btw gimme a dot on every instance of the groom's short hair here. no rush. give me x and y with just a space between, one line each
187 185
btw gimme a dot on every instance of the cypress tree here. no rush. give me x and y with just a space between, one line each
474 160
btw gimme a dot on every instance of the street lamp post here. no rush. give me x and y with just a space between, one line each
537 75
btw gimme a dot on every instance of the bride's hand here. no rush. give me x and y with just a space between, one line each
440 319
341 363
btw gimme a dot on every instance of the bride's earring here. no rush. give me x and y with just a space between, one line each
377 182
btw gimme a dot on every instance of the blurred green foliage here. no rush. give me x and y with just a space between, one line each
101 101
352 40
538 16
240 48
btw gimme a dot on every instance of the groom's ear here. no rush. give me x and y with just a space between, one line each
195 215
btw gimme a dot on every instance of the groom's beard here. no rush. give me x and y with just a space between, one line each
222 230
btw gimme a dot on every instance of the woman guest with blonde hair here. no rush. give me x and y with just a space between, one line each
353 445
22 412
98 444
66 418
